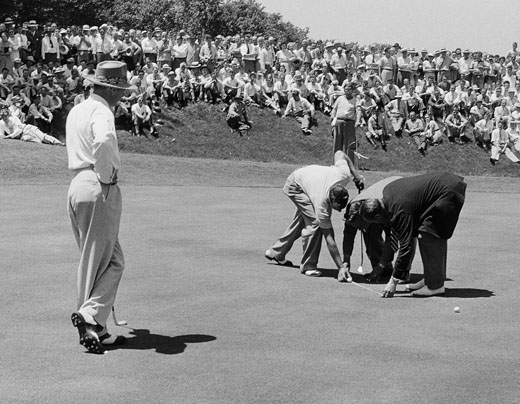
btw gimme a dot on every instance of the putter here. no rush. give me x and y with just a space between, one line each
360 268
119 323
358 157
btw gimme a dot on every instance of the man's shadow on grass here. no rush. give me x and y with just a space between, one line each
164 344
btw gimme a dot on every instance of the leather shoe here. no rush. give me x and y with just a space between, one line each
87 335
285 263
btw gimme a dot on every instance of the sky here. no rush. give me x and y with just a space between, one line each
485 25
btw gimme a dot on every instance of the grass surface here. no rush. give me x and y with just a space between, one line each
201 131
211 322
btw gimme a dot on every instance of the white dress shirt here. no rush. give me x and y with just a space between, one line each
92 140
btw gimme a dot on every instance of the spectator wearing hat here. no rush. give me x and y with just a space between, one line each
23 42
515 113
343 121
302 110
82 43
15 53
34 38
237 117
104 45
500 141
376 131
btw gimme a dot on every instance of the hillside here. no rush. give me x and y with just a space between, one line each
200 131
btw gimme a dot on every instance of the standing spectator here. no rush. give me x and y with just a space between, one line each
180 52
343 121
208 53
6 48
50 46
149 46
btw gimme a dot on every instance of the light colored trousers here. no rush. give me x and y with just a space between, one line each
303 225
95 213
497 151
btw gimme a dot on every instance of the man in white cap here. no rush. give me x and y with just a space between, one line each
94 203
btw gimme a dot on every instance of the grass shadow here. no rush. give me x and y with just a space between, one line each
164 344
468 293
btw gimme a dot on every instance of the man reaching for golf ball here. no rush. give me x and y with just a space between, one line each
424 209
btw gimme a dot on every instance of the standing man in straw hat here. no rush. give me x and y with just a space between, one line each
94 204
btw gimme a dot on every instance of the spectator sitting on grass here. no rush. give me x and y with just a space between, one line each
375 130
142 118
302 110
414 127
456 125
500 144
237 118
12 128
433 132
482 131
39 116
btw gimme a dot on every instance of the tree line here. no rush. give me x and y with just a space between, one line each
214 17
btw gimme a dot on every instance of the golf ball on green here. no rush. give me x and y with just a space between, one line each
456 309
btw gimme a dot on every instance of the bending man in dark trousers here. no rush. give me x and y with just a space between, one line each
379 251
425 207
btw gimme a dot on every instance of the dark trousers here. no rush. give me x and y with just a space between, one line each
345 137
434 253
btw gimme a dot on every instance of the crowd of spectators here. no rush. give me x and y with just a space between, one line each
458 96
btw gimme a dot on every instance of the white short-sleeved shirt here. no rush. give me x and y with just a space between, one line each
316 181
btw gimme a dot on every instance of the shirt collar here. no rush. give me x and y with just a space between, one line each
98 98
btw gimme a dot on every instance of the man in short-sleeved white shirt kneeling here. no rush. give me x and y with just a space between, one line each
316 190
